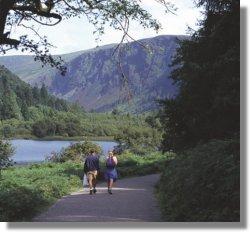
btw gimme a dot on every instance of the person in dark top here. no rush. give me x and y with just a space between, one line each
91 168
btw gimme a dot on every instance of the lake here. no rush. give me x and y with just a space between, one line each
35 151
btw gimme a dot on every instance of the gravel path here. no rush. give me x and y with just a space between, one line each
132 200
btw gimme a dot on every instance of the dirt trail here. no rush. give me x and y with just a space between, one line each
133 200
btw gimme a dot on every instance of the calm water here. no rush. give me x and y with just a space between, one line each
34 151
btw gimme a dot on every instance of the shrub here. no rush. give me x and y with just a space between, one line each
130 164
139 140
40 128
25 191
6 151
8 131
19 202
75 152
203 184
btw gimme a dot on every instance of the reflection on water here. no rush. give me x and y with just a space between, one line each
35 151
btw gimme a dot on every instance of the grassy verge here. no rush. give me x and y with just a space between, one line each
26 191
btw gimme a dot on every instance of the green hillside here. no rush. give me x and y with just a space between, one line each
16 97
30 112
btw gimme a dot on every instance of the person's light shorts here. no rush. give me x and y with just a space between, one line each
92 175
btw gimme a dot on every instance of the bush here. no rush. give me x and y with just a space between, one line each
75 152
130 164
40 128
6 151
203 184
56 126
25 191
139 140
19 202
8 131
23 132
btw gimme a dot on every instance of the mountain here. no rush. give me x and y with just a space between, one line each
27 69
131 79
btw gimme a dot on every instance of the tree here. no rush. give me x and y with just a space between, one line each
25 111
6 151
28 96
28 13
44 94
36 95
10 108
207 72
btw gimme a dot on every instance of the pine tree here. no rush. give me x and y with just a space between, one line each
36 95
9 108
25 111
44 94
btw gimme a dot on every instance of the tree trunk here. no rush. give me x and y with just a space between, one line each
5 6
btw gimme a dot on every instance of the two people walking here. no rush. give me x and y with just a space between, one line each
92 168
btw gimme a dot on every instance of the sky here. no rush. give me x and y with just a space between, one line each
77 34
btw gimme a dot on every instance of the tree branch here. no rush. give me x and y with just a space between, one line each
12 42
36 11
